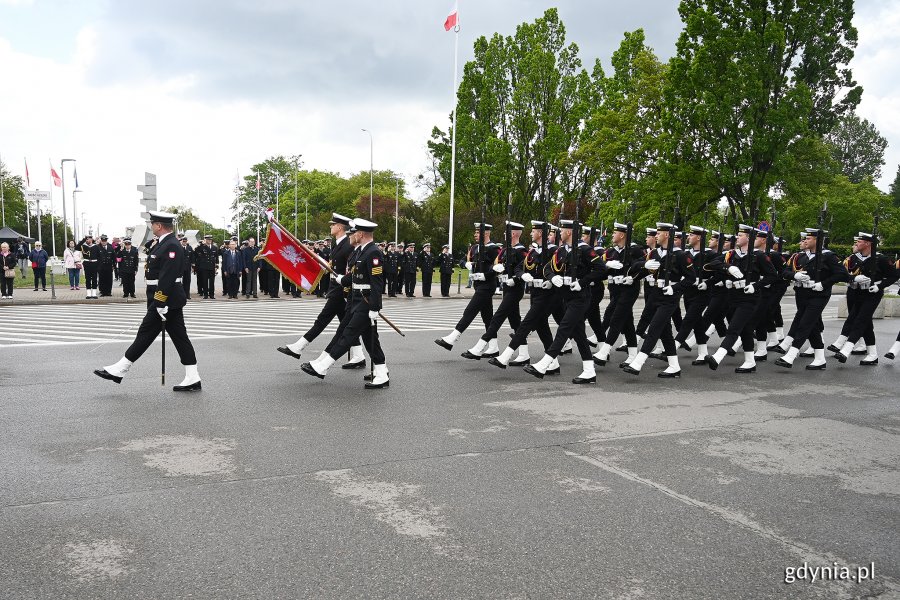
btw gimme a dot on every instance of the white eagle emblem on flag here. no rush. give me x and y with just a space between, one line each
291 255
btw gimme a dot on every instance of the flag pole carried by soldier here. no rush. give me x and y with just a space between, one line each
165 304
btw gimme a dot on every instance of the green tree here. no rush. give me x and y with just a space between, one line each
857 147
894 192
750 80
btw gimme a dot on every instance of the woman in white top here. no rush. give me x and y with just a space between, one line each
72 259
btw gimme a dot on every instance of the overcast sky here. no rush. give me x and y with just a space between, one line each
197 90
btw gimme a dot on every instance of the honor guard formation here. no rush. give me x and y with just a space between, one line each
731 287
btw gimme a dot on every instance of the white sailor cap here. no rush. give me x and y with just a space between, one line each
664 227
620 227
161 217
697 230
364 225
515 226
487 226
866 237
338 219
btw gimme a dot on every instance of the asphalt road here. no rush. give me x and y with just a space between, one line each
458 481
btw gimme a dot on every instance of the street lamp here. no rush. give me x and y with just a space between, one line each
371 179
82 223
75 214
62 168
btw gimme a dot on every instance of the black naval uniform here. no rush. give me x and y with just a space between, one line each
598 290
861 301
696 297
619 316
366 280
391 266
769 310
106 259
446 262
541 299
206 260
335 303
484 282
807 324
512 294
680 277
186 276
89 256
128 266
165 264
410 266
427 262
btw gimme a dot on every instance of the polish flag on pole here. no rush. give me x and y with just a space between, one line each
258 183
27 176
291 257
57 180
452 19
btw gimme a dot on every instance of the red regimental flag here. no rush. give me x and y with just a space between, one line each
291 258
57 180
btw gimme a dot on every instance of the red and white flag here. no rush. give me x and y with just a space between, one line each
291 258
27 176
258 183
452 19
57 180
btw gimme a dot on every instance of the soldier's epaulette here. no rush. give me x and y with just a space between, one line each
160 297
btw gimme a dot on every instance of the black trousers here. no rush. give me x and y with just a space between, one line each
40 274
621 314
763 316
185 283
427 277
127 283
695 303
715 312
741 323
861 305
90 276
152 326
649 310
593 310
206 283
445 284
250 286
409 282
232 282
508 310
572 324
807 323
334 307
536 319
398 283
660 325
224 291
357 326
274 280
105 281
6 285
481 303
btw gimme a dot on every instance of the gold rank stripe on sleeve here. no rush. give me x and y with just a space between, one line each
160 297
377 270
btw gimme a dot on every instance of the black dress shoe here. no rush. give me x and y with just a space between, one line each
762 358
496 363
532 371
106 375
288 351
307 368
807 354
356 365
519 362
440 342
471 356
599 361
490 354
630 370
869 363
191 387
658 356
622 348
815 367
833 348
569 351
377 386
623 364
580 380
699 361
553 371
780 362
777 349
684 346
255 296
666 375
745 369
367 377
840 358
732 352
712 363
890 355
858 352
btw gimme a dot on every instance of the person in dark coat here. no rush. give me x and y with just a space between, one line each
128 260
427 263
106 260
39 258
446 262
232 269
250 267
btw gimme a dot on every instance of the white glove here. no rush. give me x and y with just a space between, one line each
801 276
373 315
628 280
701 285
510 282
862 279
527 277
749 289
615 265
556 280
576 286
668 291
651 280
818 287
874 289
498 268
617 279
652 265
546 285
468 265
162 312
735 272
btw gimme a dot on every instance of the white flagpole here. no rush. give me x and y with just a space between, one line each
453 135
27 204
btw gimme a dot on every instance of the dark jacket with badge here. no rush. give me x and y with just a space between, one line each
366 269
128 259
165 264
206 257
106 256
338 258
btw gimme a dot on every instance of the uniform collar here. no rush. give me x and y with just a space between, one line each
163 236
